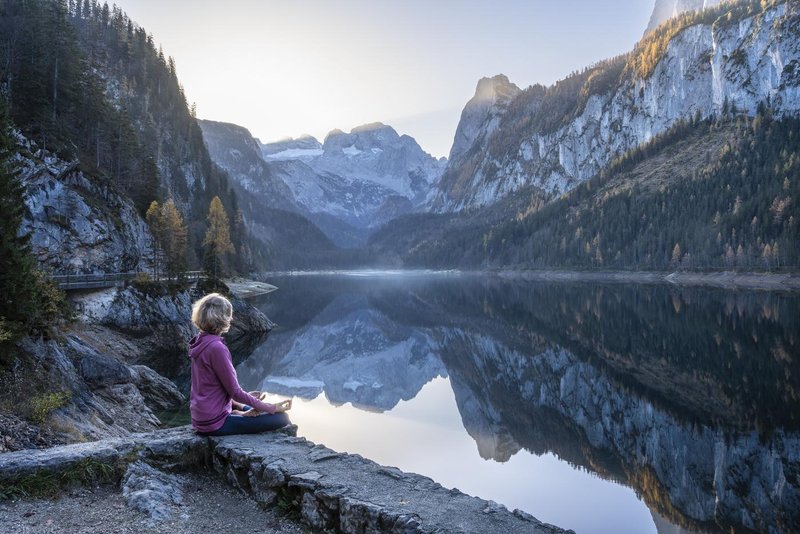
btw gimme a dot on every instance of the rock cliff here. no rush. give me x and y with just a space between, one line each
158 319
78 223
234 149
733 57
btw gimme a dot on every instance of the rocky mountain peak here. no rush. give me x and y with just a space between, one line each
365 137
357 180
495 89
491 97
370 127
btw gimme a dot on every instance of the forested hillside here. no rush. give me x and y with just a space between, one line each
82 81
716 194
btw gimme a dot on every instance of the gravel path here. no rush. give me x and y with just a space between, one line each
209 506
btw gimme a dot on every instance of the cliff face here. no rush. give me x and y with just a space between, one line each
666 9
554 138
481 115
159 320
78 224
234 149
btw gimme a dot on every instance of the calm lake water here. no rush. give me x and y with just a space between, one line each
596 407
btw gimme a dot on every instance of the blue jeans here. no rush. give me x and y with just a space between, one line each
240 424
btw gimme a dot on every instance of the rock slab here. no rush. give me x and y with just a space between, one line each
330 490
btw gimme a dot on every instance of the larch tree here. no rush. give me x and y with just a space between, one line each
218 237
174 240
155 221
169 237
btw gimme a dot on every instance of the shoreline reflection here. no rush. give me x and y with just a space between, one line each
689 396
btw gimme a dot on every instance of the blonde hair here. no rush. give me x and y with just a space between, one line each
212 314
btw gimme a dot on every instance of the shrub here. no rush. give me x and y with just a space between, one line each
43 405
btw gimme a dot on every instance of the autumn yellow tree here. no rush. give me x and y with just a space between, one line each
156 223
169 238
217 242
174 239
676 255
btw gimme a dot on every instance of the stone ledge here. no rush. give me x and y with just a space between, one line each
331 491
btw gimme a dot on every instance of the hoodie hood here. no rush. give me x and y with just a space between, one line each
200 342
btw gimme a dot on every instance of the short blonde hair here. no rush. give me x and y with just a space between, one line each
212 314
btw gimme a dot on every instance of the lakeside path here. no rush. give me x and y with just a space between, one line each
244 288
726 280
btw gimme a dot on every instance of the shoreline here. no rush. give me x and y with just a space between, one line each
719 279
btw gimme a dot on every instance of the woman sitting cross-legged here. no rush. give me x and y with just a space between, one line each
215 388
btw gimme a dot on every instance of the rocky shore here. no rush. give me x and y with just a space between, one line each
323 489
109 371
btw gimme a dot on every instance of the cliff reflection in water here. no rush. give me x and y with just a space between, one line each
689 396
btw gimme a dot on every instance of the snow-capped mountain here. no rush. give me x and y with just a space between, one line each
735 56
268 206
359 179
234 149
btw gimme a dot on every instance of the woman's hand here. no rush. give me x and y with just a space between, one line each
283 406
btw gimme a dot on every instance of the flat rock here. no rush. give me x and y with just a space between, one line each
330 490
353 494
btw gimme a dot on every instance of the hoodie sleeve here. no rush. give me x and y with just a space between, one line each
220 360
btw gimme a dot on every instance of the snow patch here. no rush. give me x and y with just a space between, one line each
295 153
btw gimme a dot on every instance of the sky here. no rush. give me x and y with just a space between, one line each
283 68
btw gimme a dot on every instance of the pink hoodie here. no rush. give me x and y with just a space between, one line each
214 384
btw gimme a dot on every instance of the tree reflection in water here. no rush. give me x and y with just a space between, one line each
690 396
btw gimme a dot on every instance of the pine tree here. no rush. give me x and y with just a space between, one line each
218 237
28 301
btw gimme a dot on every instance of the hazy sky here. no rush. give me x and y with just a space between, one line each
287 67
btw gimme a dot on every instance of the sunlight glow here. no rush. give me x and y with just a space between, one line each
283 68
426 435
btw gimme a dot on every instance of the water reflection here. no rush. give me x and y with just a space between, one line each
689 396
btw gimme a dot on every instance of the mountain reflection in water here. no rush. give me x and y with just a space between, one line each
688 396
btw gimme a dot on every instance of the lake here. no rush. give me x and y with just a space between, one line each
617 408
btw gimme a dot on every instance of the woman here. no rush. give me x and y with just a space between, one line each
215 388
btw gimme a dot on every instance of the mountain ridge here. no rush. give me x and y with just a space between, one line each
736 55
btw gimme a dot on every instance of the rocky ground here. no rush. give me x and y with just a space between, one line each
169 481
109 371
208 505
